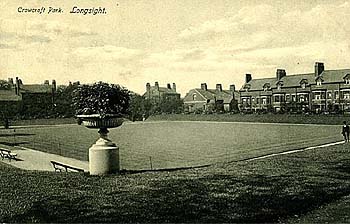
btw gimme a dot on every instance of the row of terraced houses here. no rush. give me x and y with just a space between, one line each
320 91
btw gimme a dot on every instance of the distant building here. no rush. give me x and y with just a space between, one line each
320 91
207 100
156 93
28 97
17 91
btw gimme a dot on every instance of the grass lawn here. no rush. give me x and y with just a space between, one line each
264 118
300 187
42 121
176 144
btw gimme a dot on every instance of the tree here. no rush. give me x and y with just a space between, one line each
171 105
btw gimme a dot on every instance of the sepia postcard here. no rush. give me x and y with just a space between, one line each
174 111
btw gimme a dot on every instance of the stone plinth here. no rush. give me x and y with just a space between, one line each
103 157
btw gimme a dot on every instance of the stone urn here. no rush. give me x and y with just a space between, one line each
104 154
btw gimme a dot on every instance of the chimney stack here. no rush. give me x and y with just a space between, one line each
148 87
54 87
248 77
10 80
219 87
280 73
17 86
168 86
46 82
156 84
174 87
204 86
232 88
319 68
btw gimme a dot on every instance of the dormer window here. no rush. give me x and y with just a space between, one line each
246 87
194 96
319 81
303 83
347 79
266 86
279 85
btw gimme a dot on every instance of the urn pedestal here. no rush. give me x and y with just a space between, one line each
103 158
104 154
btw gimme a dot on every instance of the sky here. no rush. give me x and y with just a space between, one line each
187 42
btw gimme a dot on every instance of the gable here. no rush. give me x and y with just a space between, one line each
194 95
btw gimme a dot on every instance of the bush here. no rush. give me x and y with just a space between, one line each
101 98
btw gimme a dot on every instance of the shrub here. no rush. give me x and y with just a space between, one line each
101 98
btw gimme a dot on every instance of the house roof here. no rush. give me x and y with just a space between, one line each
166 90
294 80
9 95
36 88
211 94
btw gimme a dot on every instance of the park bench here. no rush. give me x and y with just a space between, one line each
7 154
60 167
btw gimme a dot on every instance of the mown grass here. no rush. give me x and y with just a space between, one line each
42 121
264 118
175 144
282 188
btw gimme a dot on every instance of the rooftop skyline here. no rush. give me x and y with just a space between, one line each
185 42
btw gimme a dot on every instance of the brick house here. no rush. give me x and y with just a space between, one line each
156 93
320 91
28 97
208 100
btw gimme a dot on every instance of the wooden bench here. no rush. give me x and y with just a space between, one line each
7 154
60 167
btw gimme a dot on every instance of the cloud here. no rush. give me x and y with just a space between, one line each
107 53
263 26
23 34
6 46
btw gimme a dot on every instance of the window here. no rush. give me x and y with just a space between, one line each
347 81
336 94
346 95
194 96
277 99
294 98
329 95
303 85
257 100
287 97
319 82
264 101
303 98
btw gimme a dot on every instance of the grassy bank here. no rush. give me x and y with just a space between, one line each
264 118
291 188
